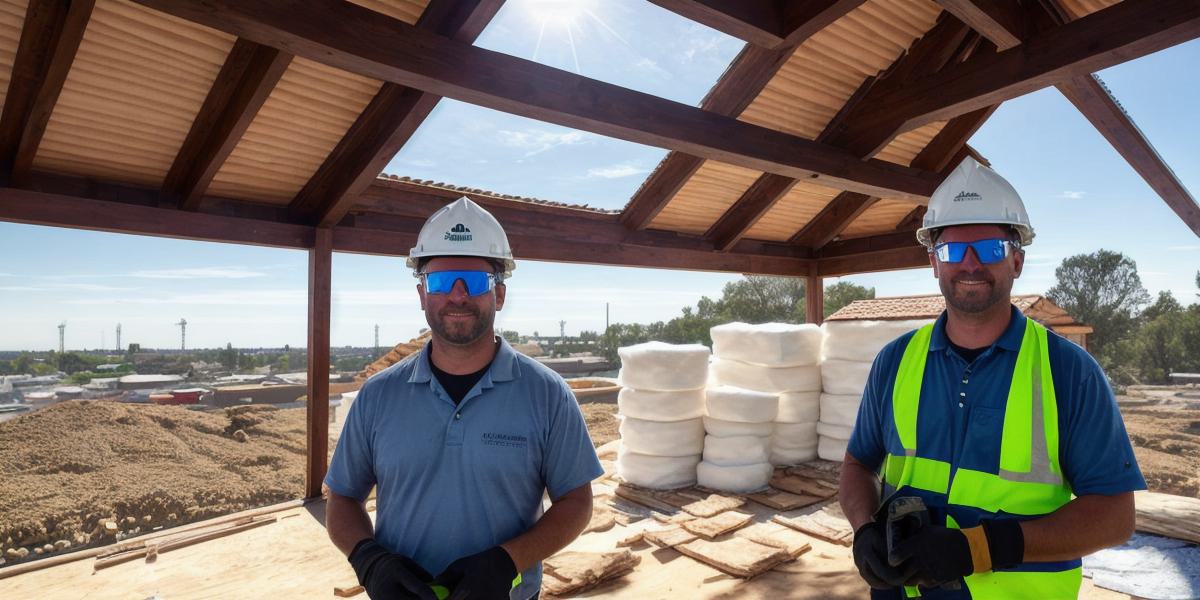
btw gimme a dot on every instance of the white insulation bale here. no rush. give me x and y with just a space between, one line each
841 432
663 367
661 406
740 478
862 340
832 448
794 435
736 450
844 376
782 457
723 428
662 438
798 407
840 410
657 472
769 344
771 380
741 405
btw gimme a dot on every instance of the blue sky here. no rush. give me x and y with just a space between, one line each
1080 194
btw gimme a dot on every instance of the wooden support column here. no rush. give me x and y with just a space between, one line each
814 297
320 275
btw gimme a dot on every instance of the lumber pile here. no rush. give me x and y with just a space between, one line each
573 572
1171 516
395 355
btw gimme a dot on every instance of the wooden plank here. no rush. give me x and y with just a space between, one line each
1108 37
756 21
712 504
939 154
814 298
736 556
1097 104
752 206
832 220
50 38
711 528
910 257
1001 21
828 524
659 188
780 500
349 37
320 272
575 572
245 81
912 221
644 497
796 484
1164 514
387 123
669 537
803 19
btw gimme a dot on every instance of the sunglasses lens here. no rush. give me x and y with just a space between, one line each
987 251
442 282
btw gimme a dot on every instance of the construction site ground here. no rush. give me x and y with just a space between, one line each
109 461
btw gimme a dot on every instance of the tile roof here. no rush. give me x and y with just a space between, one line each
932 305
429 183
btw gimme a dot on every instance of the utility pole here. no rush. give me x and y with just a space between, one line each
62 329
118 337
562 331
605 317
182 333
377 340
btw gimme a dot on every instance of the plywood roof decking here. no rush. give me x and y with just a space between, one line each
137 82
826 69
792 212
275 158
705 197
12 19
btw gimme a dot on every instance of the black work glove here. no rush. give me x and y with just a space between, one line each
871 558
941 554
388 576
487 575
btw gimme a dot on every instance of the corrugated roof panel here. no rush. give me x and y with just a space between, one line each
908 145
12 19
828 67
705 197
305 116
882 217
792 212
137 82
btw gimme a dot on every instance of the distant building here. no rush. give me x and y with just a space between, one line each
1037 307
238 395
148 382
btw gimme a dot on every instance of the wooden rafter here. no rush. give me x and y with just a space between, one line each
320 285
659 188
50 38
387 123
939 153
906 257
748 209
1001 21
832 220
756 21
247 78
803 19
1107 37
352 38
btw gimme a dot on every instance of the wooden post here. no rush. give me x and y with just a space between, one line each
814 295
320 274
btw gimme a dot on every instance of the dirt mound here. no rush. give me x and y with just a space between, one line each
1166 440
395 355
87 473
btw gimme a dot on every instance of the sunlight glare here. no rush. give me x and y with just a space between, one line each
560 14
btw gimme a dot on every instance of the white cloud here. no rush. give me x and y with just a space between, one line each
67 287
420 162
225 298
650 66
1069 195
198 273
537 141
614 172
7 275
1192 248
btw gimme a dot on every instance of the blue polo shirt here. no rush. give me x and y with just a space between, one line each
961 417
456 480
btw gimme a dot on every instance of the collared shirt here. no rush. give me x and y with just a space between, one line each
456 480
961 416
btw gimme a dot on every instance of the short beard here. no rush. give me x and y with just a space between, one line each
461 336
975 302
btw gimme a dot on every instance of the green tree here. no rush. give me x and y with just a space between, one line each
72 362
1164 305
762 299
843 293
1102 289
510 336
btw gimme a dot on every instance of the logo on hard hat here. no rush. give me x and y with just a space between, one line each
459 233
967 196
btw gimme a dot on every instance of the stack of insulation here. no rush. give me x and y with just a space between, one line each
848 351
773 359
661 404
738 441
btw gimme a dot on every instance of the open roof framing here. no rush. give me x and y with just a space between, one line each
268 122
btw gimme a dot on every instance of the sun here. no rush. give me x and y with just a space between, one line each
556 13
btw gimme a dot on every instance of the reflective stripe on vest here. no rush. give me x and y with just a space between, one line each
1028 480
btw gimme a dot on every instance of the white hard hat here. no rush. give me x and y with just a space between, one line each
975 195
462 228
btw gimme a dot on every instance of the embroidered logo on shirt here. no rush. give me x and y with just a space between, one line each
504 440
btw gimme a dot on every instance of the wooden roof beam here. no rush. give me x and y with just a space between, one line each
1111 36
387 123
350 37
768 190
1001 21
50 38
756 21
243 85
1094 100
884 252
832 220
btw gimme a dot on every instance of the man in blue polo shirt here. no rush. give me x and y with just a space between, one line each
461 440
1007 433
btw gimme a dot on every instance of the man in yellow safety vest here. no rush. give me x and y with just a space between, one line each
1007 433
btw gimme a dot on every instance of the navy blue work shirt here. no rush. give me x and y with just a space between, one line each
961 415
456 480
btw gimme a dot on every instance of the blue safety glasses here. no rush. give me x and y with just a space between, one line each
987 251
441 282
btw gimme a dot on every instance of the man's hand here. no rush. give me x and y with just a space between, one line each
941 554
487 575
388 576
871 557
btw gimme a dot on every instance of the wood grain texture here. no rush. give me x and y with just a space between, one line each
748 210
320 297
